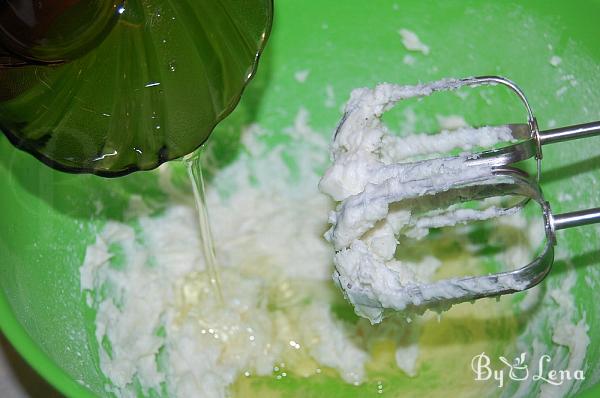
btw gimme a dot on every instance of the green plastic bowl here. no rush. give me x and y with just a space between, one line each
49 217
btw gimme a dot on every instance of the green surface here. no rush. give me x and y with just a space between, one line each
49 217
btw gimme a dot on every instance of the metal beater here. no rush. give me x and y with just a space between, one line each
507 180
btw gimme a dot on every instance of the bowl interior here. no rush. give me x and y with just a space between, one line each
316 55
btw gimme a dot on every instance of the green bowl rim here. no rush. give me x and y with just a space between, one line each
35 356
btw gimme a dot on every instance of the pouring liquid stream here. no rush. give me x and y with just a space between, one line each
194 170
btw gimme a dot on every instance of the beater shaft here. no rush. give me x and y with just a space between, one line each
577 218
569 133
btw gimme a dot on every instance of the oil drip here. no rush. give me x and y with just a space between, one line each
194 169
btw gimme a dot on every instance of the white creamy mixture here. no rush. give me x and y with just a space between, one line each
161 328
368 176
569 332
158 320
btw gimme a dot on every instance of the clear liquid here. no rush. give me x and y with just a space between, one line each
194 170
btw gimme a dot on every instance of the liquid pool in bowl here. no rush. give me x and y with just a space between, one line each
317 54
